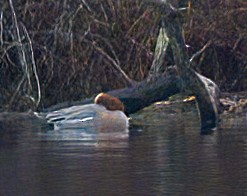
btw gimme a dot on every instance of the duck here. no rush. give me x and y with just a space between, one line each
106 114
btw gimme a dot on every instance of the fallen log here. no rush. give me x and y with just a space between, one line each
142 94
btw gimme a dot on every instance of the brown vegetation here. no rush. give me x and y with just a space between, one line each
54 51
222 28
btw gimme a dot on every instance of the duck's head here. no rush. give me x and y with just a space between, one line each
110 102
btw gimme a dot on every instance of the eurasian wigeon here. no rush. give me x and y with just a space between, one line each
106 114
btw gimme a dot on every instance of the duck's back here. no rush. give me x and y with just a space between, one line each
90 116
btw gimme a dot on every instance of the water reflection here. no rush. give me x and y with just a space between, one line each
168 158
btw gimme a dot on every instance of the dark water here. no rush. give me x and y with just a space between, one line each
169 157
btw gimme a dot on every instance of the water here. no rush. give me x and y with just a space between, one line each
168 157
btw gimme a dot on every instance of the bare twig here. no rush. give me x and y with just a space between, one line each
136 22
87 6
24 63
114 63
237 42
33 65
113 11
1 28
200 51
109 45
23 57
10 46
71 25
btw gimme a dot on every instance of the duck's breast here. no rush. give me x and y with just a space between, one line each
112 121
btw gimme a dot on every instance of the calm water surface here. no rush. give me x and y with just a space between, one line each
165 157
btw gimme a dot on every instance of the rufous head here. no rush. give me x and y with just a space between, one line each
110 102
